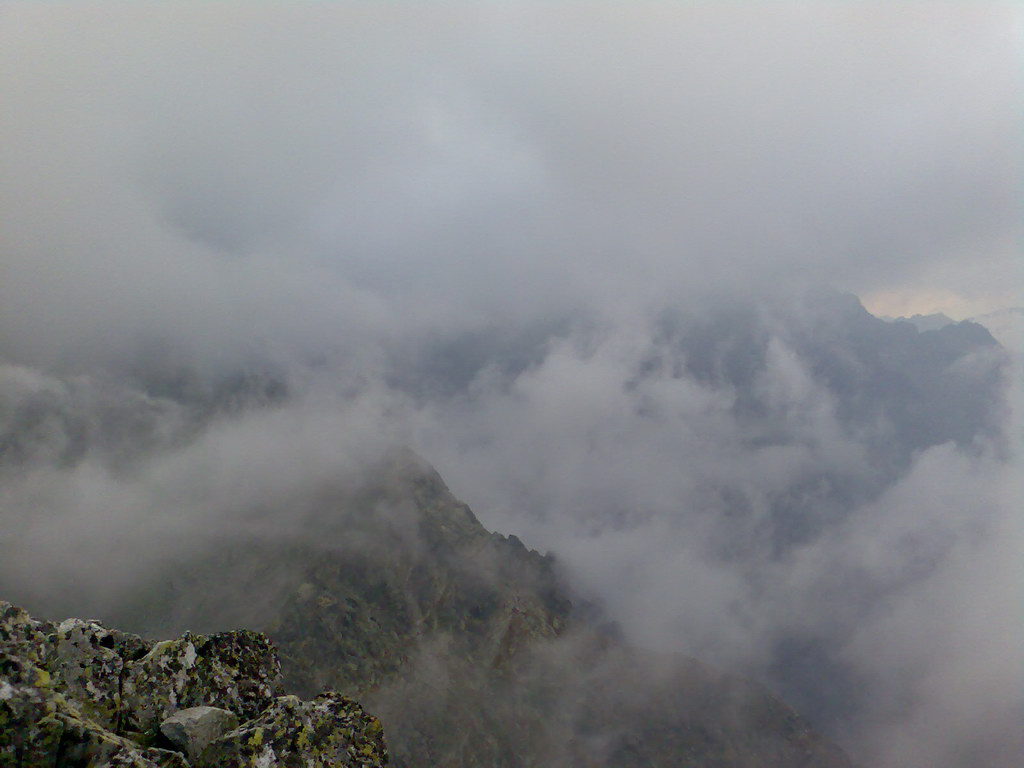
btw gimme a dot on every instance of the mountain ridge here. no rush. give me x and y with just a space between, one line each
458 639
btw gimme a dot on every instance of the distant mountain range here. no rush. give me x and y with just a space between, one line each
373 579
932 322
1006 325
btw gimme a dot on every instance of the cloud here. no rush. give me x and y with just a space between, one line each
939 651
723 517
566 253
749 522
292 175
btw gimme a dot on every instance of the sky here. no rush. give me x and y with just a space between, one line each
270 176
470 229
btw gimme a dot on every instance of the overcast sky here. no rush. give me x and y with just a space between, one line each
282 173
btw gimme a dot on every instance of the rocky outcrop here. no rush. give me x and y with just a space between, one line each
236 671
78 693
192 730
330 730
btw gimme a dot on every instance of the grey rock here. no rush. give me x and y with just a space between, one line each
330 730
238 671
79 694
87 669
194 728
24 636
42 728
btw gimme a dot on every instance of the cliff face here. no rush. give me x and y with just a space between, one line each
79 694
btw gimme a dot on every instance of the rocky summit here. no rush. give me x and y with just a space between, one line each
77 693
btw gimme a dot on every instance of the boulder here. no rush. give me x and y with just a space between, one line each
192 729
237 671
42 728
83 743
87 669
23 636
29 733
329 730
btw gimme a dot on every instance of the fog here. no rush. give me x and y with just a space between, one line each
597 265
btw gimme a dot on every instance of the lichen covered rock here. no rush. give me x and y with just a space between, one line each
236 671
28 730
329 730
192 729
80 694
87 669
23 636
83 743
42 728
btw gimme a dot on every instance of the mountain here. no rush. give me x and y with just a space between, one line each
482 634
1005 325
930 322
708 482
464 642
893 391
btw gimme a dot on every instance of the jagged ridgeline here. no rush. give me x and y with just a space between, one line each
462 641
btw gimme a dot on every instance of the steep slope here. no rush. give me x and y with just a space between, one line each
463 641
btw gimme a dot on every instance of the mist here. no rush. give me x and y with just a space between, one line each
597 265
